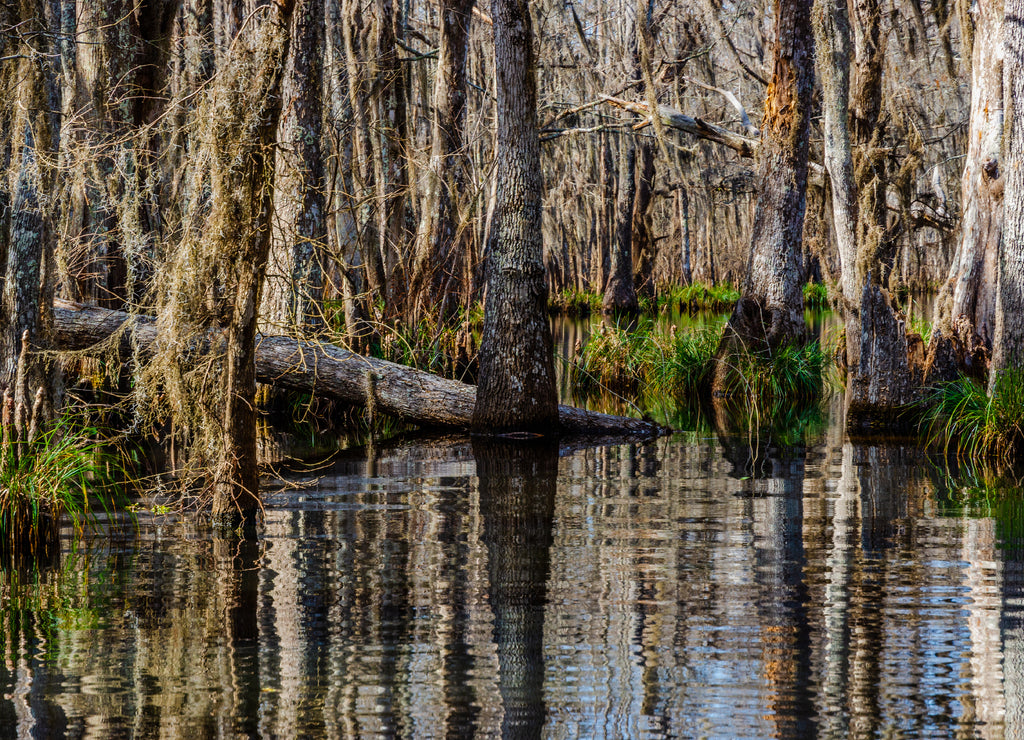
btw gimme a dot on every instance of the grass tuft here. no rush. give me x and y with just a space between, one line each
63 471
666 372
963 419
816 296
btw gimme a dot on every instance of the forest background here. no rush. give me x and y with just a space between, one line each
335 171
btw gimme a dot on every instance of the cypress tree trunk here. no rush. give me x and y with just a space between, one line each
295 276
517 374
769 313
965 308
620 293
244 115
643 242
27 285
439 270
885 363
1008 344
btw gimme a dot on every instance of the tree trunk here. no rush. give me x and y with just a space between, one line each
835 54
965 308
294 287
1008 343
683 211
331 372
643 240
391 163
770 312
517 370
439 271
27 271
620 293
217 273
885 363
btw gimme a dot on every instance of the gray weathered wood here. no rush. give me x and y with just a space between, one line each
330 371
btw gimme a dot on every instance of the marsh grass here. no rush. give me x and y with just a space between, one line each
574 302
816 296
965 421
670 373
64 471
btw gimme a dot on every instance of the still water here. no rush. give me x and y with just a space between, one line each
694 587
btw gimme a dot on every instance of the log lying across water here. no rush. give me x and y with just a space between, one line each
332 372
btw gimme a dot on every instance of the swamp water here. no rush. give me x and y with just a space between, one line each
451 587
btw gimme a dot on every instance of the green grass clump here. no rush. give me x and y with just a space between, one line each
574 302
64 470
923 327
816 295
795 372
965 420
700 297
664 371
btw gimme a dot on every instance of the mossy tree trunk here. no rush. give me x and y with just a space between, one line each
243 120
294 289
965 308
884 363
442 244
769 313
517 373
34 129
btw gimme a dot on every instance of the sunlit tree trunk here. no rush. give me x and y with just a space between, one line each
517 375
244 116
294 290
1008 345
965 308
439 273
769 313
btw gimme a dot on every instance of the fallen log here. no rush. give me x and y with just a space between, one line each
333 372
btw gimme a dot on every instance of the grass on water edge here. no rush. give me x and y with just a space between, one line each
964 420
687 298
658 370
65 470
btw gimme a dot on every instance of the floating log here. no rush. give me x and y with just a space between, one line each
333 372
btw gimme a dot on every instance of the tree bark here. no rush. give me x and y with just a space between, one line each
294 286
1008 343
517 371
770 312
226 263
885 363
440 259
643 241
620 293
331 372
965 308
27 270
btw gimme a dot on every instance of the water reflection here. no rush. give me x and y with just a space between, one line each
457 588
